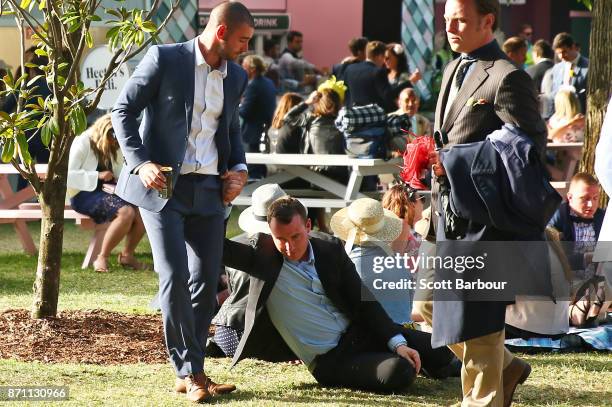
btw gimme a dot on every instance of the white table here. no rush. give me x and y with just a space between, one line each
333 193
571 155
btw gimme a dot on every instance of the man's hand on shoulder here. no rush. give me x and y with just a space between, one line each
233 182
411 355
152 177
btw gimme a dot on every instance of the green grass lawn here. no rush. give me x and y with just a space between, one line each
583 379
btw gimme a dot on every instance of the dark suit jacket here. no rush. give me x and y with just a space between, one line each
338 276
537 71
507 96
563 223
257 108
163 86
368 84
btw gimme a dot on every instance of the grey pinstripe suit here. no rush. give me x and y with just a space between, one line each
506 95
493 93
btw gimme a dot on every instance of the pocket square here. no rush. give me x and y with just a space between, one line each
471 102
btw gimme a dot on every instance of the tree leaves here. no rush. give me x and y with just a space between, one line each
127 28
54 126
89 39
45 134
8 150
130 28
78 120
22 143
587 3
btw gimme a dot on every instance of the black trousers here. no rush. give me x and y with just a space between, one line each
360 361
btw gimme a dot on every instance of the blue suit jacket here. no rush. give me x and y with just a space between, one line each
578 81
163 86
257 108
500 182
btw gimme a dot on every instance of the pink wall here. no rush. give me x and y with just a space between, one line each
259 5
327 25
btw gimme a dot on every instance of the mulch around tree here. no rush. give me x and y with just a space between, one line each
91 336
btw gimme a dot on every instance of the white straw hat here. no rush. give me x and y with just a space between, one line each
366 221
254 218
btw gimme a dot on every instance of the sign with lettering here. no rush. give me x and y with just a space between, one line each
92 73
263 22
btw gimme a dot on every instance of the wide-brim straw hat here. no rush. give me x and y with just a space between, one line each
254 218
364 222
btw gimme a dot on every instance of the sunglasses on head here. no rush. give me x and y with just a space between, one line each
413 194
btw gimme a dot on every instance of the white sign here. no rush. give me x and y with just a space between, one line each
92 73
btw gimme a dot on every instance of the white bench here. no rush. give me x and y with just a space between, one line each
333 194
32 211
15 210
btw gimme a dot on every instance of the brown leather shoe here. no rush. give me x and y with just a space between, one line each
200 388
196 387
514 374
217 389
180 386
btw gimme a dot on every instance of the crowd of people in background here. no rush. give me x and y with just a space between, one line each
290 106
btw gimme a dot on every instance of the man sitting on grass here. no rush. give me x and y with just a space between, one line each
306 293
579 220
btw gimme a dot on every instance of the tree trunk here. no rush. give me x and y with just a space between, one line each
599 80
52 199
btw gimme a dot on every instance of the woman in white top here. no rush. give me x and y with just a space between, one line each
94 165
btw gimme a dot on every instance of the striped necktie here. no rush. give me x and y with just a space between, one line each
460 74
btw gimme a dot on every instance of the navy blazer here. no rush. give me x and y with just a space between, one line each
368 84
562 222
163 86
257 108
500 182
500 187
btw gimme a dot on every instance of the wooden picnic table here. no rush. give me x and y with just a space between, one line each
10 201
15 209
332 194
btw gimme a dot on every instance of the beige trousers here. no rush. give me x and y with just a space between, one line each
483 358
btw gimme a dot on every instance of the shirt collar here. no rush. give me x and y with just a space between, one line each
575 61
199 61
310 259
483 53
578 219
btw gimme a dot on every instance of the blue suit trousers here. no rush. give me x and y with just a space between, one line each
187 243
